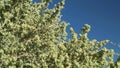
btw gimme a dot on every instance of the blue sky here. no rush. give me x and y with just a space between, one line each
102 15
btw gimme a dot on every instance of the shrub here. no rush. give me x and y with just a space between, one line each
34 36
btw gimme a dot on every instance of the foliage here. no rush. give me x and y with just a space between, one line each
34 36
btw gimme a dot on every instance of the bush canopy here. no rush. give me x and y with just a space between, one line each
34 36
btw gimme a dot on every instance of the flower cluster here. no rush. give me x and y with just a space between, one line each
34 36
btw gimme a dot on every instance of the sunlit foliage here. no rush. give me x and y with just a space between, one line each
34 36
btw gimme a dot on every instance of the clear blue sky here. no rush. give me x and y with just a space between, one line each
102 15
